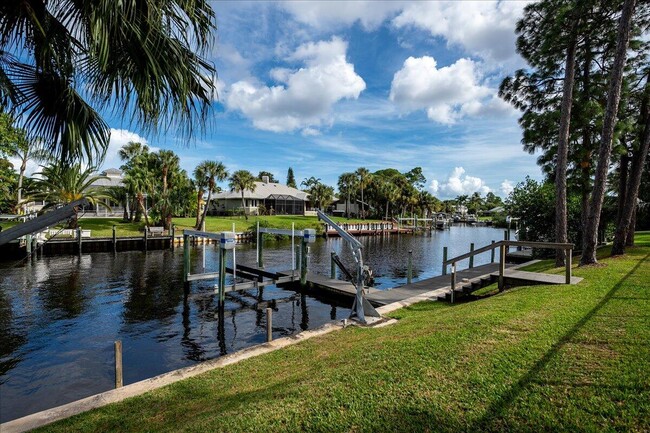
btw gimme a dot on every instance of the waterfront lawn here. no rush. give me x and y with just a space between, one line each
540 358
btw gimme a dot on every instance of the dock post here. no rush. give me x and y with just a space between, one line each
171 245
409 270
297 248
114 239
186 258
118 364
28 245
269 325
471 259
146 238
222 276
444 259
303 262
506 235
79 241
453 281
569 256
332 266
502 265
492 254
260 249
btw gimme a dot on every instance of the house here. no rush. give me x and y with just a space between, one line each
276 199
339 207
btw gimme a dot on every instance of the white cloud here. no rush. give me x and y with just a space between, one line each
458 183
325 14
305 96
120 137
506 187
482 28
447 93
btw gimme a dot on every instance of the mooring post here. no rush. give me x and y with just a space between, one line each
234 257
79 238
269 325
146 238
332 266
471 258
186 258
114 239
444 259
28 245
567 260
173 240
222 276
409 270
502 265
492 254
506 235
303 262
260 249
297 248
453 280
118 364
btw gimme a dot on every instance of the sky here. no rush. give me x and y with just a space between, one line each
328 87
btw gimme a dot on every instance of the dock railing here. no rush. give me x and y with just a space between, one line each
504 246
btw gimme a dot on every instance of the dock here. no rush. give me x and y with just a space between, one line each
469 280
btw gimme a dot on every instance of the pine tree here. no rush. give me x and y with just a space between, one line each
291 180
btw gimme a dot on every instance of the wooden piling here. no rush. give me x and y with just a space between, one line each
145 239
269 325
492 254
186 258
171 243
260 249
114 239
222 276
28 245
79 241
303 263
332 266
444 259
471 259
119 382
409 270
502 265
453 281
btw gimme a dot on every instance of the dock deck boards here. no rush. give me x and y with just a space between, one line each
536 277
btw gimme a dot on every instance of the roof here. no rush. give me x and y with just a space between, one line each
112 172
108 181
265 191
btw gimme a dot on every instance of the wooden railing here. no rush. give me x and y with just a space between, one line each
503 246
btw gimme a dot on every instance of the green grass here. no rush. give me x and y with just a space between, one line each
103 227
540 358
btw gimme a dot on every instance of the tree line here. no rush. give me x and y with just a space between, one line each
585 110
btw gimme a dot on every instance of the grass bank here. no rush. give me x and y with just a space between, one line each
541 358
103 227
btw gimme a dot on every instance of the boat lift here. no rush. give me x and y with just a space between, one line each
361 307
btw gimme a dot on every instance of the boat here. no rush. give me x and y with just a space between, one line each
471 218
441 221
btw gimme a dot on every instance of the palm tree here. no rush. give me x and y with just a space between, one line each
240 181
201 182
364 178
61 184
347 184
322 195
147 56
213 171
137 179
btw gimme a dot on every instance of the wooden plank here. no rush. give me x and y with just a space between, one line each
205 276
256 271
525 277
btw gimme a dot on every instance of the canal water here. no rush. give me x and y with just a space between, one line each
59 316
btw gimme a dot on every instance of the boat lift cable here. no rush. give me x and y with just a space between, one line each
361 307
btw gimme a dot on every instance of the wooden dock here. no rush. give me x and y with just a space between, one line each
468 280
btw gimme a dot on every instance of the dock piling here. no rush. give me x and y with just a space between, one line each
119 382
502 265
303 262
222 276
332 266
186 258
444 259
492 254
269 325
114 239
409 271
146 238
453 281
471 259
173 240
79 241
260 247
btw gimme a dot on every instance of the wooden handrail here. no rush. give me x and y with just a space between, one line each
550 245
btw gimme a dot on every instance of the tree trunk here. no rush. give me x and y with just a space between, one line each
125 214
613 98
387 202
629 242
21 176
363 205
199 200
563 149
143 209
636 172
622 186
243 205
201 225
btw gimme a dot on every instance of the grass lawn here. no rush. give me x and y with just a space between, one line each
103 227
541 358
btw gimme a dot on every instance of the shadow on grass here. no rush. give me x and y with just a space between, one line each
494 413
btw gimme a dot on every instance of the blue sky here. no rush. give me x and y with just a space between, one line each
329 87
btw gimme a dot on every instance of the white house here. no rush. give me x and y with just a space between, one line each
276 198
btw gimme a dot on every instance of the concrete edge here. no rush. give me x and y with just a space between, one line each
48 416
58 413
